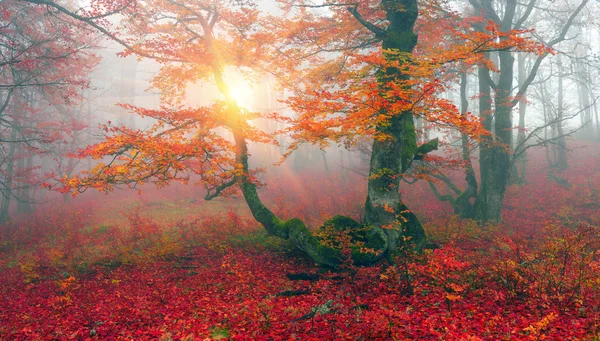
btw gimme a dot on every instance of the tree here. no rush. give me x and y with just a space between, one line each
461 200
556 111
496 99
44 61
495 152
353 72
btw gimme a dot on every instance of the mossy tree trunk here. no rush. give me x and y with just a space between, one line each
391 157
495 154
297 232
384 229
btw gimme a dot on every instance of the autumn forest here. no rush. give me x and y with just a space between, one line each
299 170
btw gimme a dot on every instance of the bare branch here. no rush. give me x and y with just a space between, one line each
540 58
379 32
525 15
219 189
89 21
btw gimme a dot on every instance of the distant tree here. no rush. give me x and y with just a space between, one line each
496 99
557 111
44 61
496 157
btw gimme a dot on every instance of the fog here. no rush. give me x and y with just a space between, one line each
265 170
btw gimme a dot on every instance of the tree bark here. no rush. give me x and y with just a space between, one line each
561 144
461 204
495 157
8 181
391 157
521 162
388 222
463 200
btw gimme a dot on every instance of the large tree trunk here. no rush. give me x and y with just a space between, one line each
392 157
495 158
387 220
296 231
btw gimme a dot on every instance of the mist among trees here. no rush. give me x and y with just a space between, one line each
361 170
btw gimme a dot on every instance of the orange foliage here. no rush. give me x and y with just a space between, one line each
326 59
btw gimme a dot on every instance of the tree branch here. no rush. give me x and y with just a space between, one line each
219 189
379 32
540 58
525 15
89 21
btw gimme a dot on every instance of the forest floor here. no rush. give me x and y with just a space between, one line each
164 265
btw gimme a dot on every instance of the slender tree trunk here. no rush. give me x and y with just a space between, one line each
463 200
561 144
23 197
325 163
8 180
597 121
21 192
547 119
69 169
521 162
24 204
584 100
29 194
462 204
343 162
420 138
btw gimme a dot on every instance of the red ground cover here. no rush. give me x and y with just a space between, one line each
211 273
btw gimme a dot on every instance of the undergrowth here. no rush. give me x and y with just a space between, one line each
215 274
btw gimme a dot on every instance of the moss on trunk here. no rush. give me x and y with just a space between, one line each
384 229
